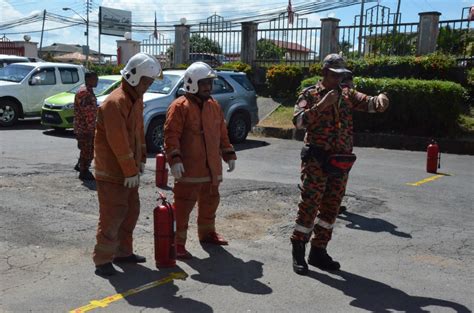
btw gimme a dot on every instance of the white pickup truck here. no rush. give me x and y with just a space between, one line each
24 86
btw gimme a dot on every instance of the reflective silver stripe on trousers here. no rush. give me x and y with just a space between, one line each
302 229
324 224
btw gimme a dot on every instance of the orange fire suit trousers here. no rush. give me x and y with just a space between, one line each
119 208
185 197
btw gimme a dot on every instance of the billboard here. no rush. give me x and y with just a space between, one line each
114 22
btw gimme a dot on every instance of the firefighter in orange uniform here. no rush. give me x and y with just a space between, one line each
196 141
120 155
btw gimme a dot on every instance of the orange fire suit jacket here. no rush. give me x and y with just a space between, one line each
119 137
196 135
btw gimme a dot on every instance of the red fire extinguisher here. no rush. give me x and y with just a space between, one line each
161 176
433 157
165 229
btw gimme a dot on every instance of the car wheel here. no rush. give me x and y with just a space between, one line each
9 112
238 127
155 134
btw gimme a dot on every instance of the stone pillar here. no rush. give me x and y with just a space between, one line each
428 30
329 40
30 48
126 49
249 43
181 44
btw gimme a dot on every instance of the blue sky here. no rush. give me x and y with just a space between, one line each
170 12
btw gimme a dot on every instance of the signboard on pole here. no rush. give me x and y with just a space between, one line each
114 22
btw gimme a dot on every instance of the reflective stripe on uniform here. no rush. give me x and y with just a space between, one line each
125 156
197 179
302 229
324 224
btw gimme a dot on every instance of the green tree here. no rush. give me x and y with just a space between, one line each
203 44
268 50
455 41
393 44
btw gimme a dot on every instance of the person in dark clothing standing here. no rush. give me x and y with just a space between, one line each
85 113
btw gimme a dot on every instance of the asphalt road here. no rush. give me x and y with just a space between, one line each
403 248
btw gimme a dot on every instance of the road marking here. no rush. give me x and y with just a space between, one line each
94 304
426 180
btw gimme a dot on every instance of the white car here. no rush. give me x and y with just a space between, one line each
25 86
6 59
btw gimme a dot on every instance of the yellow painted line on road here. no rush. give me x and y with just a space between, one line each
94 304
426 180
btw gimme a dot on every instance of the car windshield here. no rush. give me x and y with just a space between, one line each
164 85
102 86
14 72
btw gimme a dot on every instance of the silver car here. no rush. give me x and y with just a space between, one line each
232 90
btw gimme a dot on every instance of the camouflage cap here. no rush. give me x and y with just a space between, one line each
335 63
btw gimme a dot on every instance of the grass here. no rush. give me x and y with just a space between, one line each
280 118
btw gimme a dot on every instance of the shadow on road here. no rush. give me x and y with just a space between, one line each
63 133
223 269
378 297
375 225
30 123
162 296
250 144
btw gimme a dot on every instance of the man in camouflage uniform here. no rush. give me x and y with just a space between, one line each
85 113
325 110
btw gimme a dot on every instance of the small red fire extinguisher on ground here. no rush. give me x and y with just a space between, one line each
165 229
161 176
433 157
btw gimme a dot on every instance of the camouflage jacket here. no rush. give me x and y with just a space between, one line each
85 111
331 129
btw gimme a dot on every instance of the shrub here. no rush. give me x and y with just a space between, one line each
417 107
106 69
237 66
283 80
432 66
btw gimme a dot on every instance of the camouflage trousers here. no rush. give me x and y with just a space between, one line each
321 196
85 143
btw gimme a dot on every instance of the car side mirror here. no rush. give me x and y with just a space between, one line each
35 80
180 92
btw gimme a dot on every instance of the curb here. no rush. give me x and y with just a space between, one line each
379 140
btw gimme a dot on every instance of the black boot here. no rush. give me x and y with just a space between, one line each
86 175
106 269
320 258
299 264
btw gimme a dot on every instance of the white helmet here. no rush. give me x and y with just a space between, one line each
194 73
141 64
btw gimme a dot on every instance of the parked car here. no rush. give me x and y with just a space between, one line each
212 59
58 110
24 86
6 59
232 90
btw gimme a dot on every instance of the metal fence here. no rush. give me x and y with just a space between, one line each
216 41
287 40
159 46
8 47
290 40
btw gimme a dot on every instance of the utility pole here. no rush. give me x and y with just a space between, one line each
42 31
397 16
361 24
87 30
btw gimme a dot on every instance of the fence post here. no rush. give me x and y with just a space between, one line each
249 43
181 44
428 30
128 48
329 36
